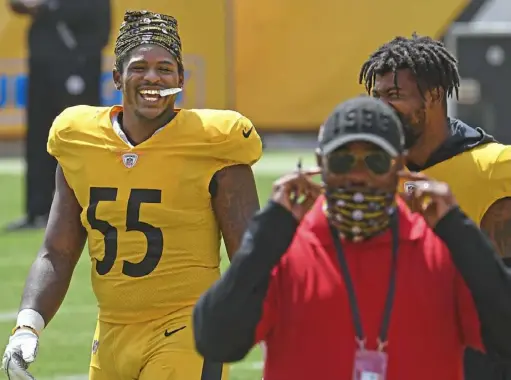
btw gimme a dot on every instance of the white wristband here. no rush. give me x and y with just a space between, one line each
31 318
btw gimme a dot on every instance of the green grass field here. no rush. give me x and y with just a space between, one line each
66 344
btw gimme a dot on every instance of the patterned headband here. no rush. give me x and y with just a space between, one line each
144 27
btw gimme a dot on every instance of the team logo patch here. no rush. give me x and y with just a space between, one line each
95 346
410 186
129 159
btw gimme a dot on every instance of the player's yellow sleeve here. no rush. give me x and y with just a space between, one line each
57 131
500 177
242 144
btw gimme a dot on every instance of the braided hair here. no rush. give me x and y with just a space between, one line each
430 62
144 27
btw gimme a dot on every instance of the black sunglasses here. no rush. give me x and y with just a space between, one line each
343 162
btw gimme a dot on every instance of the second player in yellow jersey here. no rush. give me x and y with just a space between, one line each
152 189
416 76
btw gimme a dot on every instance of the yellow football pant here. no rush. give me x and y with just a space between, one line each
162 349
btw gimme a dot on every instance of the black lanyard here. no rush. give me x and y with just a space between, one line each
382 339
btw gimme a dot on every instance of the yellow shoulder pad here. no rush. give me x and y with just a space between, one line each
67 127
232 136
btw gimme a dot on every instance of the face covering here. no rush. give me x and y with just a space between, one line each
359 214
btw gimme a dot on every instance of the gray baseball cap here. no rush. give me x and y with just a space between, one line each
362 119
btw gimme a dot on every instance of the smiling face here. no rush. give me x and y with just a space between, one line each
144 72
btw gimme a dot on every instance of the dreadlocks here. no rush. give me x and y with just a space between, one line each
144 27
430 62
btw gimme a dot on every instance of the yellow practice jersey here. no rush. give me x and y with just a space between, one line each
153 238
477 177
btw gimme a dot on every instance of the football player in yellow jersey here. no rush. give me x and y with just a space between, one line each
152 189
416 75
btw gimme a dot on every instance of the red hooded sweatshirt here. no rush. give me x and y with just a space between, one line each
307 321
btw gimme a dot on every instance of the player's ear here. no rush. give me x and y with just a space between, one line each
181 80
116 75
435 95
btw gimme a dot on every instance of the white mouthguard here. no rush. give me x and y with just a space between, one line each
170 91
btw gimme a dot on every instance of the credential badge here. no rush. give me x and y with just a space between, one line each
129 159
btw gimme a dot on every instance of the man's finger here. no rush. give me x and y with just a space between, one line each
296 181
311 189
316 189
414 176
422 200
16 369
411 201
308 203
311 171
284 179
431 188
294 177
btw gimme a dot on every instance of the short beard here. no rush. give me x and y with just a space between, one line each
413 127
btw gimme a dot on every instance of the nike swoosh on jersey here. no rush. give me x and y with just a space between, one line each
246 134
169 333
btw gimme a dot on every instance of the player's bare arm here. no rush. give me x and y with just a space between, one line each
50 275
234 203
497 224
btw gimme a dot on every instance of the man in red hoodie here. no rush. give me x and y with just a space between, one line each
359 287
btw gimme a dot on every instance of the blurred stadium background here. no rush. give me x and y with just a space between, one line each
285 64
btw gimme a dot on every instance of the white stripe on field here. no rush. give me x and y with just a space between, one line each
10 316
11 166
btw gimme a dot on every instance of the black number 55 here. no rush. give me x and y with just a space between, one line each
153 235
